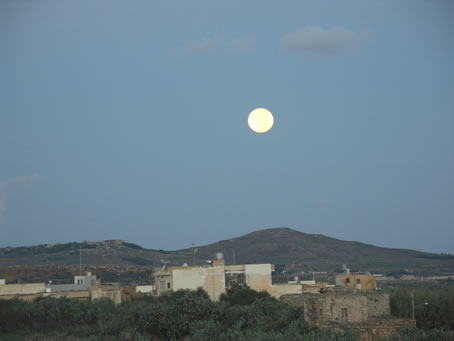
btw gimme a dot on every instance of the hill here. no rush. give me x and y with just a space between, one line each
309 252
281 246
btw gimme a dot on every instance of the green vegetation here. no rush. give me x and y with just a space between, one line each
441 256
29 251
242 315
137 260
434 307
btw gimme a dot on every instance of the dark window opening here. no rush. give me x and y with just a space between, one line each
168 285
358 281
347 280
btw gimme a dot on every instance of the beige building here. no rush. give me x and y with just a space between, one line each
85 287
214 279
26 291
357 281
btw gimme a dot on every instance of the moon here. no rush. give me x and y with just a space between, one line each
260 120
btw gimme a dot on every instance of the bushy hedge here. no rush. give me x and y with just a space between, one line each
243 314
434 307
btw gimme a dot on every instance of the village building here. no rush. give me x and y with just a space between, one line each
366 313
362 282
217 277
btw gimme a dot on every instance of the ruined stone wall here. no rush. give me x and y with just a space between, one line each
319 309
296 300
322 308
374 329
378 305
112 293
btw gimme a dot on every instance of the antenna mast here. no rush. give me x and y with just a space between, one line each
80 260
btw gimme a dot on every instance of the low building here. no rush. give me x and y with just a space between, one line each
145 289
361 312
218 277
85 287
79 290
357 281
25 291
112 292
341 307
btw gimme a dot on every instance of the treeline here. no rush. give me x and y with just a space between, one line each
433 307
241 315
27 251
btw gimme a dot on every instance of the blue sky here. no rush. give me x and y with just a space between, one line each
128 120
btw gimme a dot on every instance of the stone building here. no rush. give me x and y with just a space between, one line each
347 310
109 291
357 281
214 279
340 307
25 291
85 287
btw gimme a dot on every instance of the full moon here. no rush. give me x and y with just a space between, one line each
260 120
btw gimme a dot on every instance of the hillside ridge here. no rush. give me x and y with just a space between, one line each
281 245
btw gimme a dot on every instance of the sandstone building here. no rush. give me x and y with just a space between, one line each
217 277
357 281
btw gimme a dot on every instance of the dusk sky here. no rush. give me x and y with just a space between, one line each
128 120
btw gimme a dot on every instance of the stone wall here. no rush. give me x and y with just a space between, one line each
22 297
80 294
374 329
362 311
111 292
277 290
258 276
296 300
378 305
319 309
322 308
22 289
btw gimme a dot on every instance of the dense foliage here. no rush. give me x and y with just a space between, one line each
243 314
433 307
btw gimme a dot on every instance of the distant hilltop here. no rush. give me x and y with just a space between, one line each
88 242
281 246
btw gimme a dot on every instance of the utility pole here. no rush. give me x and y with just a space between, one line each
80 260
413 304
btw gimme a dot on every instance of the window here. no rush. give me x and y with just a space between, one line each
168 285
358 281
347 280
